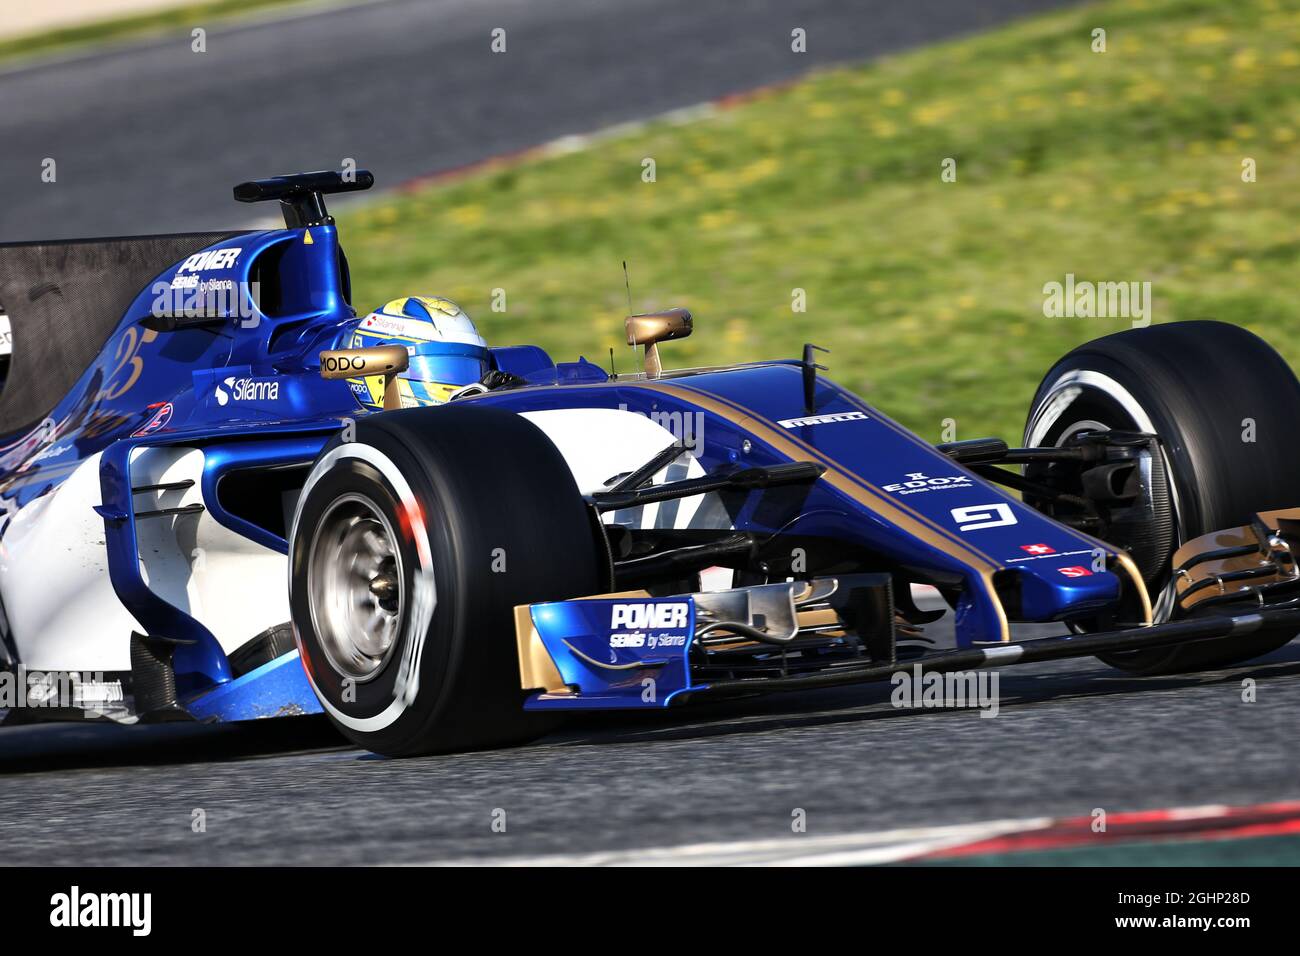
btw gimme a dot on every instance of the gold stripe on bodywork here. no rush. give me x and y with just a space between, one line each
1131 568
853 486
537 670
635 595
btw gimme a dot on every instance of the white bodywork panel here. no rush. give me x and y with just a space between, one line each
234 586
62 611
600 443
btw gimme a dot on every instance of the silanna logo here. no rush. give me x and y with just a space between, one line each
235 389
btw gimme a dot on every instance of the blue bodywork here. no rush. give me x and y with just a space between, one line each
884 488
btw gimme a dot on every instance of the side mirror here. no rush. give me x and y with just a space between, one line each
386 360
651 328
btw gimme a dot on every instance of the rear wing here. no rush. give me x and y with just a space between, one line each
302 195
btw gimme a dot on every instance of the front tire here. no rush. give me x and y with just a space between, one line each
1202 388
411 546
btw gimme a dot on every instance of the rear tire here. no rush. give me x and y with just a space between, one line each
411 546
1195 385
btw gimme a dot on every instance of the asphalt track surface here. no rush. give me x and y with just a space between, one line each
1068 737
150 137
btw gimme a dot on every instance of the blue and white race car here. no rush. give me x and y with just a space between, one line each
225 496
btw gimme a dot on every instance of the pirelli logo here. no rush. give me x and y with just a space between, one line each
822 419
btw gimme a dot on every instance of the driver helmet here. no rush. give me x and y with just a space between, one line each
446 351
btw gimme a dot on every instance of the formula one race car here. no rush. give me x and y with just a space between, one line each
215 507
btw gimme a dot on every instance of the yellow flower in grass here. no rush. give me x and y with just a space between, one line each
758 170
710 221
821 111
1288 58
884 128
1144 91
1077 98
932 114
893 97
1206 35
1030 103
1242 265
470 214
736 332
1283 134
1244 60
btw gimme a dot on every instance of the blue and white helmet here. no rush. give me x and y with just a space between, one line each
446 350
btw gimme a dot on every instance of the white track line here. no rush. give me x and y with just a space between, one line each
843 849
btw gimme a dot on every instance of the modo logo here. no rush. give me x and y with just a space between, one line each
343 363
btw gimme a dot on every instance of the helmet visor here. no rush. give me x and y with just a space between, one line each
446 363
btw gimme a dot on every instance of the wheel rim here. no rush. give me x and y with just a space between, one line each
356 586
